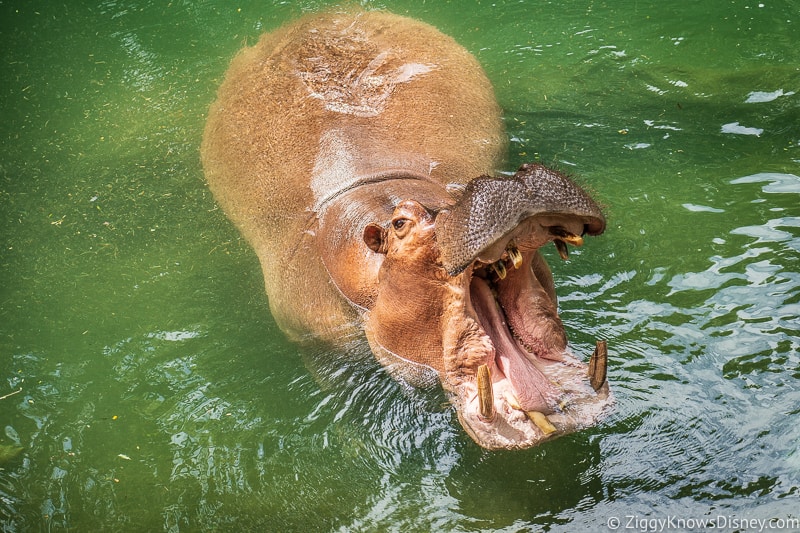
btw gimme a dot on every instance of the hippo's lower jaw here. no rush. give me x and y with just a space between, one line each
527 386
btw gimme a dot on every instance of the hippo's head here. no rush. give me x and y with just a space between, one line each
464 295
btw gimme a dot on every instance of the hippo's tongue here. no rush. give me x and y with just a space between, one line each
533 390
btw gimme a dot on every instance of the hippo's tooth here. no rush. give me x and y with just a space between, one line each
539 419
566 236
562 239
512 400
485 393
500 269
561 246
598 365
514 254
541 422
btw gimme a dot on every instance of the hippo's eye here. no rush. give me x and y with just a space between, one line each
401 226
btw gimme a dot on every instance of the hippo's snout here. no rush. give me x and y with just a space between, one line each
492 210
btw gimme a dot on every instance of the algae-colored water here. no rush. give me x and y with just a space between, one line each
150 390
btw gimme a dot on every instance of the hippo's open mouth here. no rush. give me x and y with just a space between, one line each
530 387
514 380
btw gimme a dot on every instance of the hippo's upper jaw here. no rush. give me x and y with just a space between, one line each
465 291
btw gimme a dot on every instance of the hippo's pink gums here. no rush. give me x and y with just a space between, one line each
353 150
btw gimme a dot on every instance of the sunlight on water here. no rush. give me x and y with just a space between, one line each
149 388
714 370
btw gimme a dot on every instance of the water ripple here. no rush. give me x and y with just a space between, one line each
706 381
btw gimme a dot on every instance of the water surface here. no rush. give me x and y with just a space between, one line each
149 388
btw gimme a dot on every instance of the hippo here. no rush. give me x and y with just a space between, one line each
358 152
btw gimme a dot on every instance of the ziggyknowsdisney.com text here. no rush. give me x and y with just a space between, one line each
720 522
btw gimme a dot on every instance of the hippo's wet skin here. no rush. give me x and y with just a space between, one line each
353 150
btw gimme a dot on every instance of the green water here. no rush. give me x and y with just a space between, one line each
150 389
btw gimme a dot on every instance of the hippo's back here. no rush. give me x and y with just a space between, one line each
333 100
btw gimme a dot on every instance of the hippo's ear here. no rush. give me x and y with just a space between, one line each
376 238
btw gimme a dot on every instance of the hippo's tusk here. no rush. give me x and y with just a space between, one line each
485 393
514 254
563 251
562 238
566 236
598 365
500 269
541 422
